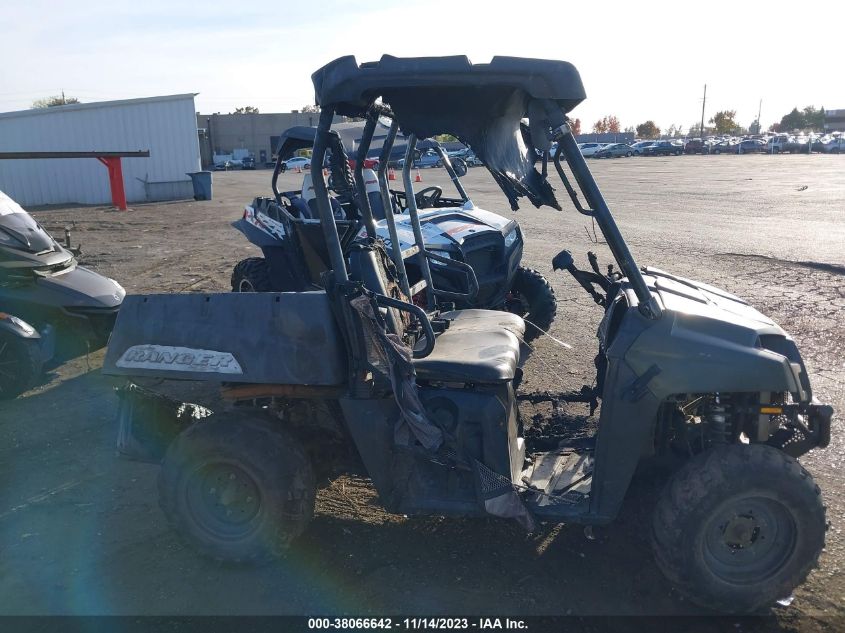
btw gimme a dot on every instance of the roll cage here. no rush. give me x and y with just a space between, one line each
483 105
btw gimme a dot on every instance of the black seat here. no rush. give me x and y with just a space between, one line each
465 355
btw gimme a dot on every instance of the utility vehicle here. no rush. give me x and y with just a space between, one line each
49 306
427 397
453 227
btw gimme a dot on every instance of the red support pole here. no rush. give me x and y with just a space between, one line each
118 194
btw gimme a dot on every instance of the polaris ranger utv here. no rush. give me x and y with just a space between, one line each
427 399
452 227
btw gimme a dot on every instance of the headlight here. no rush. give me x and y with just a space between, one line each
445 254
510 238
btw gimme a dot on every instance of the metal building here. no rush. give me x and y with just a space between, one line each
257 135
166 126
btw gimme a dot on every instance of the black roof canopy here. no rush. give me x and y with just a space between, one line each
480 104
352 88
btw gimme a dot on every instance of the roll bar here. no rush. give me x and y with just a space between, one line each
447 163
321 193
363 200
411 201
600 211
396 250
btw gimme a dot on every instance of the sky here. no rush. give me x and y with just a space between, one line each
639 60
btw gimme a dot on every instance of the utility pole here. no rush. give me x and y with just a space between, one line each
759 123
703 102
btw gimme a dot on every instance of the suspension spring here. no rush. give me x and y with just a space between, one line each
717 423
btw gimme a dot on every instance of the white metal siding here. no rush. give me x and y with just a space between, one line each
164 125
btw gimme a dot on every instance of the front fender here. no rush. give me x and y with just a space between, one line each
699 356
17 327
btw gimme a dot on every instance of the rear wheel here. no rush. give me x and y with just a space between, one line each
20 364
739 527
237 489
251 275
532 298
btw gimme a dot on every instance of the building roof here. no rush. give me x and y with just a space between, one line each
94 104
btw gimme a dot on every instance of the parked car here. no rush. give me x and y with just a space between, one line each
748 146
722 147
369 163
834 146
472 160
776 144
639 146
796 145
614 150
664 148
224 166
296 161
696 146
589 149
428 158
248 163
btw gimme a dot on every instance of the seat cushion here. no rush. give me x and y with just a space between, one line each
485 321
465 355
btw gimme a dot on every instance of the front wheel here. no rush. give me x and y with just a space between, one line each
20 364
739 527
251 275
532 297
237 489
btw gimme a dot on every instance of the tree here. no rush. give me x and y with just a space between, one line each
629 130
55 100
575 126
310 108
814 118
809 117
607 124
648 130
724 121
246 110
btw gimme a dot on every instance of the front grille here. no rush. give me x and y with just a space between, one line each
486 255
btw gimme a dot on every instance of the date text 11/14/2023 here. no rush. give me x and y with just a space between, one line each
418 623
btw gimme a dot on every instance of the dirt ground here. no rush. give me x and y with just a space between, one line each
81 531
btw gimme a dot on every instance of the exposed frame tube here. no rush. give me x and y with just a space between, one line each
447 163
600 211
321 194
411 201
396 245
361 186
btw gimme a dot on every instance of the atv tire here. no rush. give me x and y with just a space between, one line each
251 275
739 527
20 365
237 488
537 298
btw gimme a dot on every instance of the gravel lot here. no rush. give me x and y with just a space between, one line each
81 532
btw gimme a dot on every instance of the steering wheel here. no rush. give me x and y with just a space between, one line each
428 197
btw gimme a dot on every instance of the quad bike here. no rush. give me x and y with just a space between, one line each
69 307
426 398
453 228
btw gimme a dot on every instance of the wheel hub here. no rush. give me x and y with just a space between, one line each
749 540
741 531
224 499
